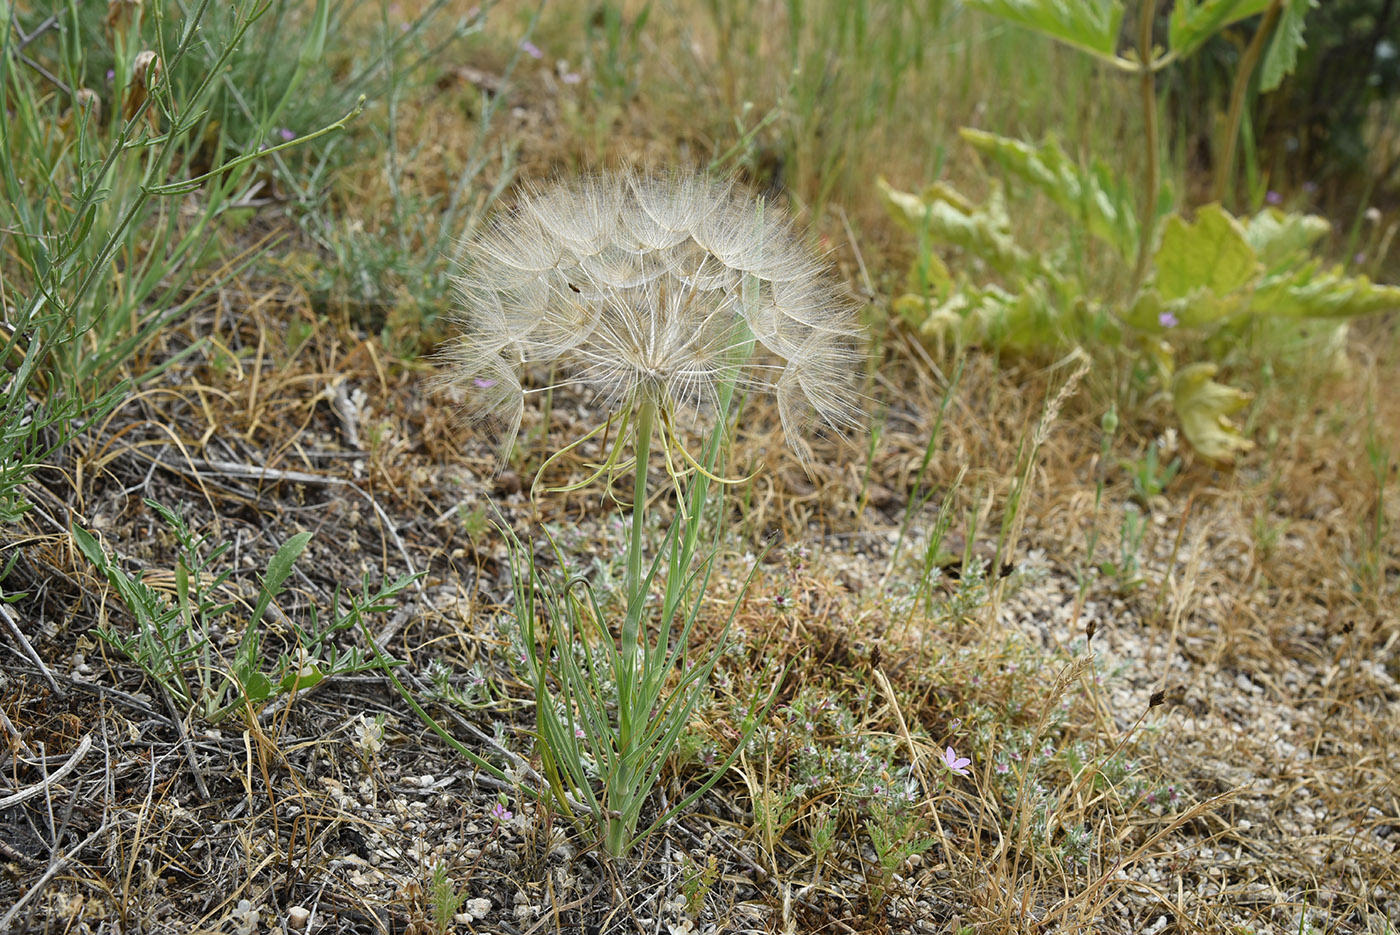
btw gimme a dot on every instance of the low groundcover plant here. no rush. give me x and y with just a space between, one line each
664 295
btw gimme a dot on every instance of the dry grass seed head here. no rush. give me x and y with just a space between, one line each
654 289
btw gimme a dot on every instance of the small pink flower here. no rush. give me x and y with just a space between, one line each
286 134
1273 198
957 764
530 49
1167 320
501 813
482 383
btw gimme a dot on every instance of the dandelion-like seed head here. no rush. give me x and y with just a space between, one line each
658 289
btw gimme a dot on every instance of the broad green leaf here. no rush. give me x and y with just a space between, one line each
1200 307
1195 21
1204 407
1211 252
947 218
1282 239
929 274
1282 56
1310 292
87 544
1091 25
308 677
277 571
257 688
1091 196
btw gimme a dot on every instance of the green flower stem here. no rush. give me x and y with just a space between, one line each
646 418
632 722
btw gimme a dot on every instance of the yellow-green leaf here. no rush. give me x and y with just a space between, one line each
1204 407
1310 293
929 275
1282 56
1090 195
1091 25
980 232
1211 252
1282 238
1200 307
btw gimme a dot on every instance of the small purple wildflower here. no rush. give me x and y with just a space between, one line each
1003 768
111 75
482 383
530 49
287 135
1167 320
1273 197
501 813
957 764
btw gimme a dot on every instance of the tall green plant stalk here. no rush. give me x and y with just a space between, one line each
1147 88
1238 92
646 419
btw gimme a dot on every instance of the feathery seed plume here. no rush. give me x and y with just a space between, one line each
654 288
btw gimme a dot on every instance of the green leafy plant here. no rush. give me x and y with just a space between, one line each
105 259
1149 476
1125 571
614 49
896 835
697 879
174 641
446 899
1210 286
104 245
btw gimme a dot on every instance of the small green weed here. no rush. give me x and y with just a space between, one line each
445 898
1149 476
896 835
174 642
698 878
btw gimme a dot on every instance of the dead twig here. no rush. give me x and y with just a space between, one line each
12 624
51 779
